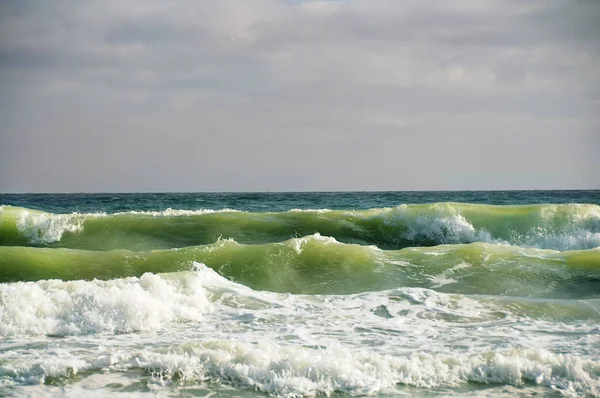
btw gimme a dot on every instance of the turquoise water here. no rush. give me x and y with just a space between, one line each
300 294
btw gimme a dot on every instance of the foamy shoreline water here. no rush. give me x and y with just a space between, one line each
419 300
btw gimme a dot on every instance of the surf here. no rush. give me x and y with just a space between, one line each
416 299
546 226
317 264
324 353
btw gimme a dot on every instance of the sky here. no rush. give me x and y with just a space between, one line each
282 95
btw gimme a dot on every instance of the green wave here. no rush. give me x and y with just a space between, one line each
559 227
322 265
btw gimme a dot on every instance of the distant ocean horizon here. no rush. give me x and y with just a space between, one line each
292 192
345 293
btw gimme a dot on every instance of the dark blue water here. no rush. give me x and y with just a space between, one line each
282 201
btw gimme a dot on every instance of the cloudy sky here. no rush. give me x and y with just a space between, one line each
280 95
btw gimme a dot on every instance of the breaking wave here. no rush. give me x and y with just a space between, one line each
558 227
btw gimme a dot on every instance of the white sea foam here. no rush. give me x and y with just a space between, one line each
438 226
445 278
55 307
42 227
297 371
294 371
318 211
571 238
198 326
557 227
299 243
170 212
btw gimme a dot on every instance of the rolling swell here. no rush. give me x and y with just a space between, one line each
321 265
558 227
487 300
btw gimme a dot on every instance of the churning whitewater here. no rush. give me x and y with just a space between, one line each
300 294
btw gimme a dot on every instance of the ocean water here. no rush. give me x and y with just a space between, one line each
384 294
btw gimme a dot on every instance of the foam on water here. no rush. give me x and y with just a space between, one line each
422 299
445 277
43 228
290 345
293 371
437 226
559 227
169 212
55 307
298 243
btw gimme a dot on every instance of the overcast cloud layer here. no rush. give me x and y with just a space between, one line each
252 95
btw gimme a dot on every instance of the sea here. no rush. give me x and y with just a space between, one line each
385 294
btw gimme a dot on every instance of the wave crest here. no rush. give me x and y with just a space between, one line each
558 227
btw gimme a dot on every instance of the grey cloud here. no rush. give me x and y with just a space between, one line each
273 95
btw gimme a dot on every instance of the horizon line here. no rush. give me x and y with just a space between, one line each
293 192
